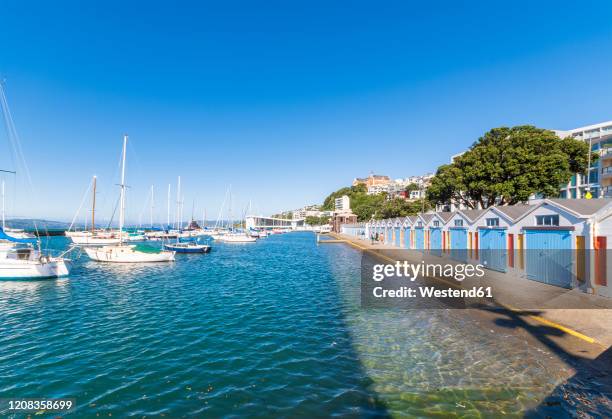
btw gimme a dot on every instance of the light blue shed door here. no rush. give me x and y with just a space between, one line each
436 241
549 256
389 237
458 244
407 238
419 238
397 236
493 249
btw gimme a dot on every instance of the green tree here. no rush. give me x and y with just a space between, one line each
509 164
412 187
398 207
350 191
316 221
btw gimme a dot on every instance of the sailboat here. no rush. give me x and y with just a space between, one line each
190 246
19 257
127 253
233 235
93 237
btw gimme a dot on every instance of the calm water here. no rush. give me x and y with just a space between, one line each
270 328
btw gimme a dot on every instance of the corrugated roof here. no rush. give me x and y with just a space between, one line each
514 212
472 214
585 207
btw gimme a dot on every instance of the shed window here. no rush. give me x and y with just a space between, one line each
436 223
547 220
493 222
420 224
458 223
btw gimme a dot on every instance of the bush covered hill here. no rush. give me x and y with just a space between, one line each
377 206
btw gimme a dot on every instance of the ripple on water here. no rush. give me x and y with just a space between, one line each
273 328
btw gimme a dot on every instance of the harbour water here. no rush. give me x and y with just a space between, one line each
264 329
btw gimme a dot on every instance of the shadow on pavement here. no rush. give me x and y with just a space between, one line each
588 393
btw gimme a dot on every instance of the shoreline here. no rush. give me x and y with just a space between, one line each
577 337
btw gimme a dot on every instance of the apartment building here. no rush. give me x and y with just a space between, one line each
599 180
342 204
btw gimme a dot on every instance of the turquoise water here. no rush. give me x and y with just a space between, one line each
272 328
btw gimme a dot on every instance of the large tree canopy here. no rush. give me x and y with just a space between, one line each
509 165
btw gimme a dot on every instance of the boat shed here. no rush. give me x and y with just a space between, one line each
562 243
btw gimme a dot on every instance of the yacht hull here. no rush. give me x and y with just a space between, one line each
93 241
34 269
126 254
190 249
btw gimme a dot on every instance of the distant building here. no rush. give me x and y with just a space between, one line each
372 180
397 187
342 205
599 181
339 219
417 194
310 211
389 188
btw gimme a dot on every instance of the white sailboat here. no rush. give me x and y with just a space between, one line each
93 237
233 235
27 262
121 252
19 258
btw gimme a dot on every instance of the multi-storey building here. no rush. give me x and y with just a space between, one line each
599 180
372 180
310 211
342 204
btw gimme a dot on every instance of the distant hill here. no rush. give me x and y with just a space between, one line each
28 223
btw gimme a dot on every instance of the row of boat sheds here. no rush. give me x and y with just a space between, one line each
562 242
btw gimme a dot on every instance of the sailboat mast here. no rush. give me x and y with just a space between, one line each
152 203
168 220
93 207
178 203
122 199
3 208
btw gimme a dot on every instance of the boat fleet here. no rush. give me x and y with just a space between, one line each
22 257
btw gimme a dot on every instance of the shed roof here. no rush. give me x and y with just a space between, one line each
446 216
472 214
514 212
583 207
426 217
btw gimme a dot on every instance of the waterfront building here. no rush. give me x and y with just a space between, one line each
433 232
565 229
268 223
406 239
599 180
559 242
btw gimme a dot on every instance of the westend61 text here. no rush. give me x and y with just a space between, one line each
432 292
412 271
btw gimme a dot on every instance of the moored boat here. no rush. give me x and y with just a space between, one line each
237 237
21 256
127 253
187 247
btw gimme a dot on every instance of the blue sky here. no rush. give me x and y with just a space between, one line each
285 101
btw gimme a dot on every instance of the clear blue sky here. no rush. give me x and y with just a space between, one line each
285 100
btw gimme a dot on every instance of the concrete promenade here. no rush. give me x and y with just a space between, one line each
577 330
